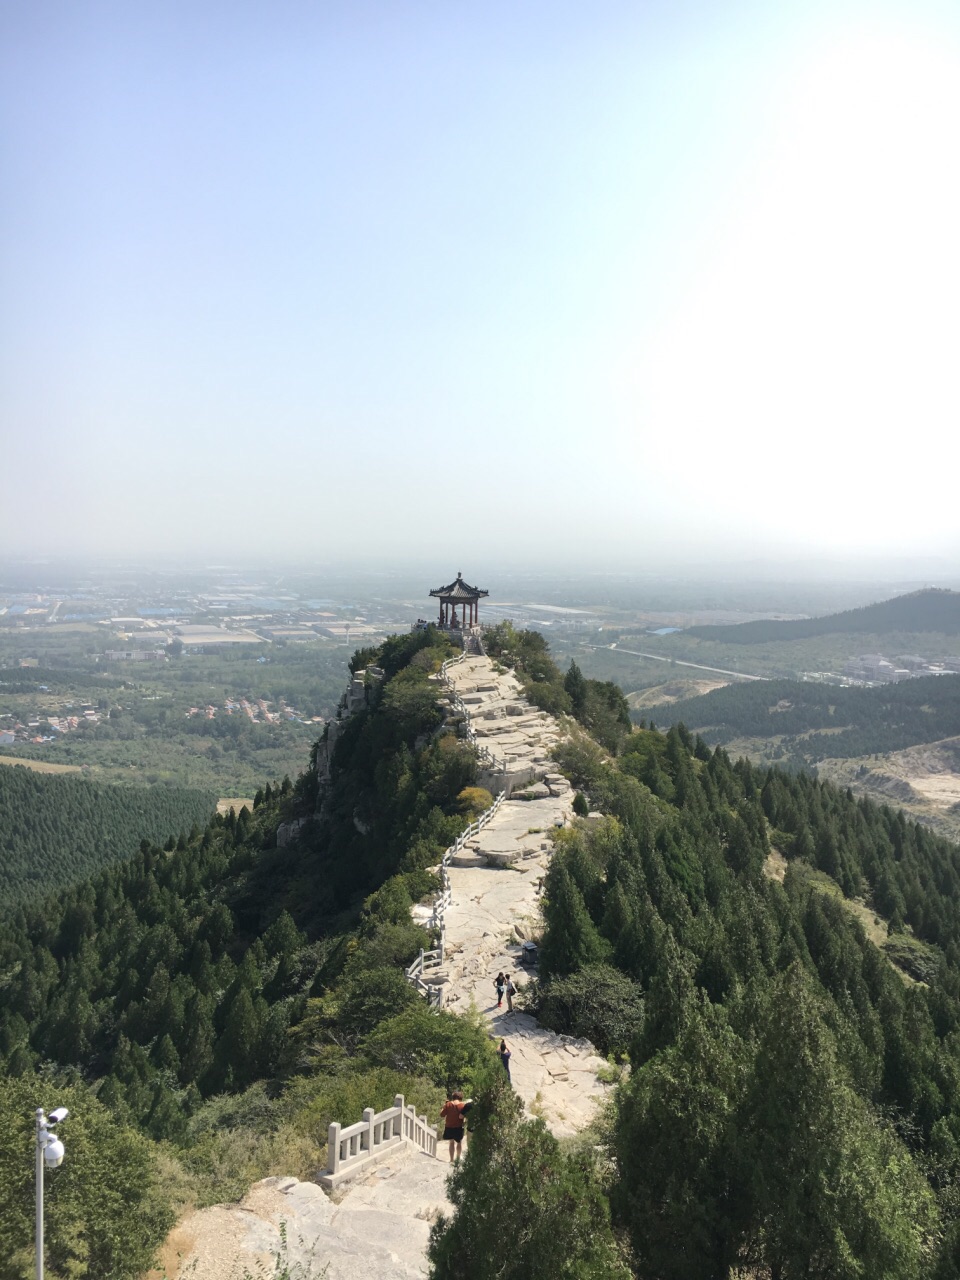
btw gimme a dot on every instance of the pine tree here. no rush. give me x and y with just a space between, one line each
833 1192
522 1209
674 1143
576 687
572 939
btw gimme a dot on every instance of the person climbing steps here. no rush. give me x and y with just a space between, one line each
452 1114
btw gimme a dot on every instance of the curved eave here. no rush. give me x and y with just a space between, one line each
459 591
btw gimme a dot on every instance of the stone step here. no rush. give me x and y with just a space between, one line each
536 791
467 858
502 857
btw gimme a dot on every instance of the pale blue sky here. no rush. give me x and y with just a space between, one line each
613 280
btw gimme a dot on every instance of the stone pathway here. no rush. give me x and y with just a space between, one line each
379 1225
496 884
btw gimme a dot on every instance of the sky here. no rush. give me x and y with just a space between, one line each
618 284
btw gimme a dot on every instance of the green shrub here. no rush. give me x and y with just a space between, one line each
472 801
369 995
523 1208
105 1214
448 1049
599 1003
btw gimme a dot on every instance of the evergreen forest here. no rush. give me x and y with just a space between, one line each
57 830
835 721
792 1104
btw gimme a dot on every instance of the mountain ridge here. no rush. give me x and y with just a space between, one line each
933 609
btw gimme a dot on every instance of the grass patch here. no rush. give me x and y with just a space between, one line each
236 803
41 766
912 957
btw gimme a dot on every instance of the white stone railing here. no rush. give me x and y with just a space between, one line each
351 1149
484 754
445 896
424 962
474 829
427 960
448 663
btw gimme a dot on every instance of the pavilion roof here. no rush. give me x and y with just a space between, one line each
459 590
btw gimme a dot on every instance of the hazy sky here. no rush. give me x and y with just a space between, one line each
605 281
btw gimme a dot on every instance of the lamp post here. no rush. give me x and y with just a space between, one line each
49 1153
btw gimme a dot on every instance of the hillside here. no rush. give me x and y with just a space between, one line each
58 830
927 610
793 1104
222 997
769 1015
894 743
832 720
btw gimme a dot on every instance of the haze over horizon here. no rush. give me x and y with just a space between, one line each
636 286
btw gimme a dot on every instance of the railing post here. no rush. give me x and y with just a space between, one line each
333 1147
398 1118
368 1114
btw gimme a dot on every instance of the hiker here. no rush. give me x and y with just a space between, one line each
511 991
504 1053
499 982
451 1113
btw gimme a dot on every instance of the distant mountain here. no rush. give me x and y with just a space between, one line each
928 610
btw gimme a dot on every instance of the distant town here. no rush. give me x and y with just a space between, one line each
256 710
873 668
136 629
47 728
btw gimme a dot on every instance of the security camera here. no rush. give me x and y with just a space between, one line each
53 1154
55 1117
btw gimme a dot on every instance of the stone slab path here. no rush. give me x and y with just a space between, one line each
379 1225
495 907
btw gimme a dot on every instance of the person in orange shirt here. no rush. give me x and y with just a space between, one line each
451 1113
